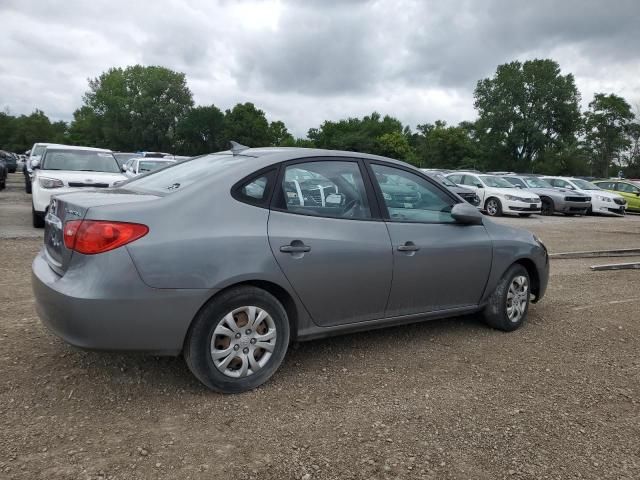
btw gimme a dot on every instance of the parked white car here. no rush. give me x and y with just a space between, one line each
63 169
35 154
602 202
497 196
138 166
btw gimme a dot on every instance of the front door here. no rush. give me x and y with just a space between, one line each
438 264
336 256
631 194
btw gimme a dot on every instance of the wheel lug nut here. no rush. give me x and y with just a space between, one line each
253 341
238 335
248 332
245 350
236 347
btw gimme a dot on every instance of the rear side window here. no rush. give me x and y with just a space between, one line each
471 181
256 190
325 189
626 188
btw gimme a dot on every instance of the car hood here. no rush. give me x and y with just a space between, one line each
83 177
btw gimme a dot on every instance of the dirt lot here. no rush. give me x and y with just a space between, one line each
448 399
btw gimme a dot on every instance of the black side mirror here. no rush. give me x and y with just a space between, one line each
466 214
479 185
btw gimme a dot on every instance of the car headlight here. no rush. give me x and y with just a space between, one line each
46 182
603 198
513 198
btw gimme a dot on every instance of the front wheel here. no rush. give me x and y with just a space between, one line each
238 340
547 207
493 207
508 305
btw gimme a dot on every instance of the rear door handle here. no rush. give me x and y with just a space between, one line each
408 247
296 247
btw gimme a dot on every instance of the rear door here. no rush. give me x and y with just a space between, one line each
438 264
327 237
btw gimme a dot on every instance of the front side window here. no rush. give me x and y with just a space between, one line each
626 188
455 178
515 182
535 182
411 198
471 181
80 161
495 182
325 189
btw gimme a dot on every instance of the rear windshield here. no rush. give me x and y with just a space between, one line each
183 174
80 161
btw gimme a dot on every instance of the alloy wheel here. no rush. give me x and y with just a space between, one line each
517 298
492 207
243 341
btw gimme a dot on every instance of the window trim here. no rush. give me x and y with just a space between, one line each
380 199
278 200
271 172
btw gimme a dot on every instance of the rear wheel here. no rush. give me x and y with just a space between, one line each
493 207
38 218
547 207
238 340
508 305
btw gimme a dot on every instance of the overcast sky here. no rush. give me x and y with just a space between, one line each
307 61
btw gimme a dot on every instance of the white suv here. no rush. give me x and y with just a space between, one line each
497 196
602 202
63 169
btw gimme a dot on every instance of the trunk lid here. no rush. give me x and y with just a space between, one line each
74 206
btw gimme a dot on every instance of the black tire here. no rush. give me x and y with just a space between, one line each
548 208
589 211
524 215
38 218
489 207
27 185
197 347
496 312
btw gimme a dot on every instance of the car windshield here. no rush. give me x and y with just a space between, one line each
150 165
80 161
122 158
495 182
584 185
444 180
182 174
39 150
534 182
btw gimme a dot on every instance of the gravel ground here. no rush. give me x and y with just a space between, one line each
445 399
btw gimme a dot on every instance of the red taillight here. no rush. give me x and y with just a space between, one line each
98 236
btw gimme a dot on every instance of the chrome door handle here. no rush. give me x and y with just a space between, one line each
408 247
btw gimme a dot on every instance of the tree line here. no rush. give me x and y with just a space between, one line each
528 120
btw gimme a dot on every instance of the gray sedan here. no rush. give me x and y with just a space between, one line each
229 257
553 199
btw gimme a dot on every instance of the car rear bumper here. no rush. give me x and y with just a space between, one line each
106 306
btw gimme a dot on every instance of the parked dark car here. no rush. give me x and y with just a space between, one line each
467 194
223 258
3 174
10 161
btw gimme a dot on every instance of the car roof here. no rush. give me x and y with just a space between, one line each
76 148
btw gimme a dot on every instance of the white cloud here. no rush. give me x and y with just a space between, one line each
305 62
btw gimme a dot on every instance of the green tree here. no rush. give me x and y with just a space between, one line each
354 134
526 110
280 136
395 145
441 146
134 108
246 125
632 169
606 131
200 131
36 127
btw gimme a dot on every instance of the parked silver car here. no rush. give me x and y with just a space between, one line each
229 257
553 199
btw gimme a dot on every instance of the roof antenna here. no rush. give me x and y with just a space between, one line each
237 148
